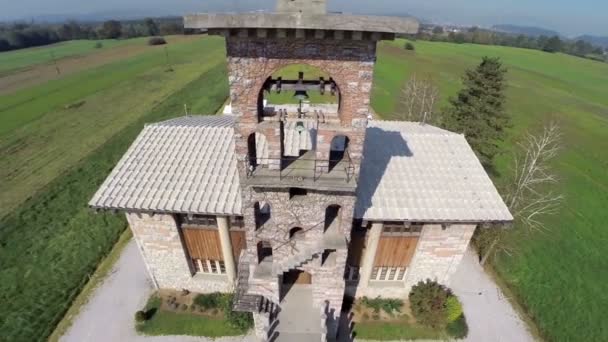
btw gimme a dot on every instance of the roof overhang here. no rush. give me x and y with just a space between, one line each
326 22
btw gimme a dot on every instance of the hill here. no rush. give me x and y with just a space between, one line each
595 40
525 30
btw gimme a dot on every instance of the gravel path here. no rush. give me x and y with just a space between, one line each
489 314
108 316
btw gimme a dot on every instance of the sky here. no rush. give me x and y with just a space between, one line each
567 17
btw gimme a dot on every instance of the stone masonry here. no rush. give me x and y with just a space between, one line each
161 246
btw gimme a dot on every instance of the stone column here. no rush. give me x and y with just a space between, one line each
226 243
370 253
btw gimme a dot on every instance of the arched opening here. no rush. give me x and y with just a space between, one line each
338 151
299 91
296 233
261 213
332 218
264 251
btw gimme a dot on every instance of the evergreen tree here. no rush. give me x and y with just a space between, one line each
478 109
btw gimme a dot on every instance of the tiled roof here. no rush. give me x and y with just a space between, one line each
419 172
410 172
184 165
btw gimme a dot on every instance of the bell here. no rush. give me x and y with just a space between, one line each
300 127
301 95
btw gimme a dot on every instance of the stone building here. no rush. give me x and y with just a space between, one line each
295 206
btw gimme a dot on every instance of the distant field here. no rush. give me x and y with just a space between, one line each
14 60
52 241
561 275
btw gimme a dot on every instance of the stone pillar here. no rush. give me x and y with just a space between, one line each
226 244
371 247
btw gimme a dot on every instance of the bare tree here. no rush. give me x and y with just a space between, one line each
418 100
531 196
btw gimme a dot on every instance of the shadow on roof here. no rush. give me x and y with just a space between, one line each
379 148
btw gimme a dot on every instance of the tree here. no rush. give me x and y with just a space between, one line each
151 27
530 195
111 29
418 100
409 46
438 30
553 44
478 109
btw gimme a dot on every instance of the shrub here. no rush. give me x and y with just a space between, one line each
387 305
453 309
409 46
428 301
157 41
140 316
458 328
98 45
239 320
208 300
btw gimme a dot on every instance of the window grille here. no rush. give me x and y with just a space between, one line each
351 273
207 221
401 229
388 273
209 266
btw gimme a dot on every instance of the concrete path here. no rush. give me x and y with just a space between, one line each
108 316
489 314
299 321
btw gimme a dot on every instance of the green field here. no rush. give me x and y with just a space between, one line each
19 59
51 242
59 140
560 276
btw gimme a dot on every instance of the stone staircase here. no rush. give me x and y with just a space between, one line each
242 301
298 260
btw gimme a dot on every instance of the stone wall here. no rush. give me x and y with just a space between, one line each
161 246
439 253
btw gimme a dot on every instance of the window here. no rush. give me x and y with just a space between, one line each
209 266
237 223
401 229
296 233
206 221
261 212
388 273
296 192
351 273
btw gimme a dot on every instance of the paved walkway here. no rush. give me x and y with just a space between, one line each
489 314
108 316
299 321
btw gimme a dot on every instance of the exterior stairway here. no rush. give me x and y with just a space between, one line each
330 241
242 301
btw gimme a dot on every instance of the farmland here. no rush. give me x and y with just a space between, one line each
60 138
559 274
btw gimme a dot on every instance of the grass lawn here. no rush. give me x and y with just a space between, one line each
556 275
52 242
12 61
394 331
165 322
40 138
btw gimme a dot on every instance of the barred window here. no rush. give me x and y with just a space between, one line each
206 221
388 273
401 229
237 223
209 266
351 273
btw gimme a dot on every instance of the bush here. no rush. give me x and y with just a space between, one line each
157 41
409 46
98 45
453 309
428 301
387 305
239 320
458 328
208 300
140 316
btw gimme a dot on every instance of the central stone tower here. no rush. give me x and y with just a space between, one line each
300 82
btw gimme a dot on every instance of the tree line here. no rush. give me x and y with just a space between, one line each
23 35
476 35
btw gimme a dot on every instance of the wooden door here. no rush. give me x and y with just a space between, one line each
395 251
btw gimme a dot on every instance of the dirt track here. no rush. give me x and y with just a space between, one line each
42 73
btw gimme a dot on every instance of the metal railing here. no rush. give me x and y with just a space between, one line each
303 168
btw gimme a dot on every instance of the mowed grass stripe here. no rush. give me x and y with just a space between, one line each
29 104
37 152
51 243
12 61
558 275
